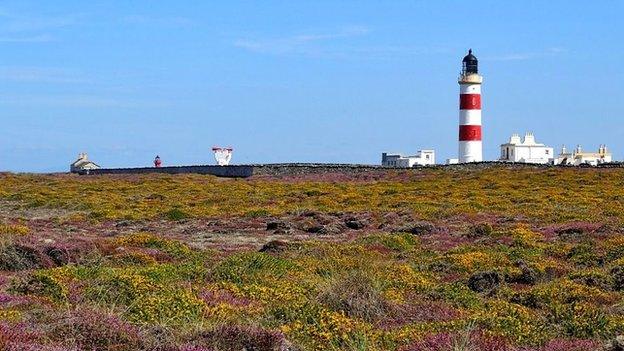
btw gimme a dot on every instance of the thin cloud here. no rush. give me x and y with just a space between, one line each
550 52
42 38
39 75
17 28
158 21
20 23
307 44
78 101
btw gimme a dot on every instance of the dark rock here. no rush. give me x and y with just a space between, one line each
551 273
315 229
275 246
275 225
355 224
485 282
59 256
121 224
617 274
595 281
309 213
239 337
420 228
18 257
324 219
283 231
441 266
155 197
527 276
527 300
480 230
570 233
331 229
617 344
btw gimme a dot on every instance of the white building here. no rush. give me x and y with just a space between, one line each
422 158
578 157
526 151
82 164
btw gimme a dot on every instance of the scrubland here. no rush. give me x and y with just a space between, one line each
496 259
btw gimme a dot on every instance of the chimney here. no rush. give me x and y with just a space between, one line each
529 139
515 139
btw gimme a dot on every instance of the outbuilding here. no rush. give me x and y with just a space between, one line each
526 151
83 164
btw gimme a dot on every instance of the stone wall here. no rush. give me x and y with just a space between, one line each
219 171
291 169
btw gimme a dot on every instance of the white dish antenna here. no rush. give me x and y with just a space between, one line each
222 155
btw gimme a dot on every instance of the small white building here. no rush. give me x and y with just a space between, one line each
526 151
422 158
452 161
82 164
578 157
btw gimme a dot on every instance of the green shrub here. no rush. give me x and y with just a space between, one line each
357 296
580 320
593 278
146 301
480 230
16 257
257 213
174 248
119 288
396 242
176 214
516 323
167 306
42 283
251 267
583 255
457 294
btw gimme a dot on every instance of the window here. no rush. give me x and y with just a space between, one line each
547 152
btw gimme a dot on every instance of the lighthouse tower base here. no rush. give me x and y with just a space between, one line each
470 151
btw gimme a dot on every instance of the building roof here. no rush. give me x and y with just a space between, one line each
528 141
83 161
80 163
470 57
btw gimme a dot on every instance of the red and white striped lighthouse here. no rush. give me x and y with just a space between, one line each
470 146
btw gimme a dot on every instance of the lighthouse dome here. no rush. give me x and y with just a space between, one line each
470 63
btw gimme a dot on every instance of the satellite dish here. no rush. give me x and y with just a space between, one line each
222 155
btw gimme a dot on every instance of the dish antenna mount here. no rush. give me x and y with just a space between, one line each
222 155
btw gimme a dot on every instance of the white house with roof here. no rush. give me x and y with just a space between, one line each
577 157
422 158
83 164
526 150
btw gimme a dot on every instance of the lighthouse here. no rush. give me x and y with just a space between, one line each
470 146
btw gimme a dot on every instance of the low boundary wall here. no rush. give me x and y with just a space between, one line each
242 171
285 169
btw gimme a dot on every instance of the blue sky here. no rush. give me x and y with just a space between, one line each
298 81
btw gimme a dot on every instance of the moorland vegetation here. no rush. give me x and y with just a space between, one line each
494 259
